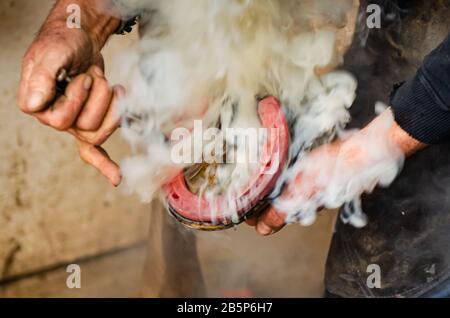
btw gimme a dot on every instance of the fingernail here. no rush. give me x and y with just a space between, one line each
87 83
35 101
263 229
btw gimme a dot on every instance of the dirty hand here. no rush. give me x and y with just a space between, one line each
301 187
340 161
87 108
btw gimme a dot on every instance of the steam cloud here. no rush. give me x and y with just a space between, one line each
212 59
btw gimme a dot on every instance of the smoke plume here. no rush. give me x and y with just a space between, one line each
212 59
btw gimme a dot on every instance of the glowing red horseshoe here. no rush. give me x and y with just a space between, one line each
196 212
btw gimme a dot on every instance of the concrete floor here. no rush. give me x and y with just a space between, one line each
55 210
110 275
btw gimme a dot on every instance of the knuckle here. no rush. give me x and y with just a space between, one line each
108 132
83 153
60 123
87 124
82 138
103 91
92 139
43 121
277 222
99 137
90 119
277 218
83 156
23 108
98 140
77 99
97 72
102 81
28 60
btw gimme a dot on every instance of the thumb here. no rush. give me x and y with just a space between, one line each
38 81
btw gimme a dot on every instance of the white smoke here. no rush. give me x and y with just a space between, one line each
338 174
211 59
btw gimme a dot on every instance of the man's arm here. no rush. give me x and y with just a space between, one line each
355 154
421 109
422 105
87 108
99 19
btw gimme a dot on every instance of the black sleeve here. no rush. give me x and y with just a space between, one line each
422 105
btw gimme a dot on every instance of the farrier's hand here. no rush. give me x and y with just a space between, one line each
341 159
86 110
300 188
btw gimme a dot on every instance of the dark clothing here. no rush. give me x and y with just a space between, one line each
422 105
408 232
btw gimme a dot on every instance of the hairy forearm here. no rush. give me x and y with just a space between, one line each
404 141
385 133
99 19
384 126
